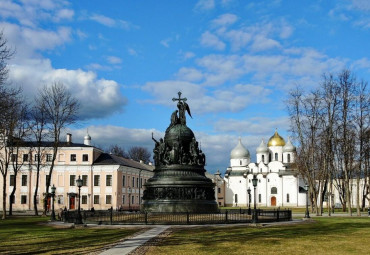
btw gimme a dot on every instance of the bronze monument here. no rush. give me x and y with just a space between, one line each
179 183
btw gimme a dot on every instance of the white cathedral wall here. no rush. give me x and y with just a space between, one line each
239 162
235 185
278 150
259 157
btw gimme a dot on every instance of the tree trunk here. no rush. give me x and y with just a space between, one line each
4 197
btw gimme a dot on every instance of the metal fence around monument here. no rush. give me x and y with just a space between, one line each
150 218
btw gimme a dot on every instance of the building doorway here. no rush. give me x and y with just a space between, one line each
273 201
48 203
72 201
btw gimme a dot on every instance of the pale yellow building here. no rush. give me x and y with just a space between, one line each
108 180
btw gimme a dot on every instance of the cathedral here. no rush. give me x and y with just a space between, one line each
279 183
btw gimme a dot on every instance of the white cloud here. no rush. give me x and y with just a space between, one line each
114 60
205 5
210 40
132 52
33 74
225 20
104 20
363 5
166 42
189 74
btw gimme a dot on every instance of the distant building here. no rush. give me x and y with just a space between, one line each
279 183
108 180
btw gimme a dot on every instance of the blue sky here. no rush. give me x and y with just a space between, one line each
235 61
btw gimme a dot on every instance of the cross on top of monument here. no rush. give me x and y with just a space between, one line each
179 99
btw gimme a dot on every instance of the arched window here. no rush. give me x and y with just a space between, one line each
259 198
273 190
236 198
269 157
263 158
287 198
276 157
240 162
260 170
288 158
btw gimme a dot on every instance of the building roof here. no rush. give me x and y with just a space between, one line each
109 159
46 144
239 152
276 140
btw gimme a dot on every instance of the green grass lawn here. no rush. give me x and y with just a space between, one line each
323 236
30 235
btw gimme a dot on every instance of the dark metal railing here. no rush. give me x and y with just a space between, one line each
223 217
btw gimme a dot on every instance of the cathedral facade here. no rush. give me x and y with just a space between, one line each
279 183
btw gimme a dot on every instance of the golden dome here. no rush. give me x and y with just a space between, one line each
276 140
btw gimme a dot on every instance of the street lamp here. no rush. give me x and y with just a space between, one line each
79 185
249 201
307 213
255 217
129 198
52 218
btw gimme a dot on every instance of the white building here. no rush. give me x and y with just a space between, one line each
278 181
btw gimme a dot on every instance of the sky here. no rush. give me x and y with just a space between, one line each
235 62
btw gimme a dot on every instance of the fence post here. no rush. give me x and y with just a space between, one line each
226 216
111 215
146 217
187 218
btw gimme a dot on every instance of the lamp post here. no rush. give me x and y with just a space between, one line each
255 216
249 201
79 185
307 213
52 218
129 198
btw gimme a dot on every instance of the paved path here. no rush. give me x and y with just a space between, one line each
131 244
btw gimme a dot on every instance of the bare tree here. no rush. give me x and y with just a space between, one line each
15 142
38 131
139 153
60 111
5 54
117 150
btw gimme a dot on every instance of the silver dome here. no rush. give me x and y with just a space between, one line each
239 152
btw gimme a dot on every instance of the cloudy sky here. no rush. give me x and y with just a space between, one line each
234 60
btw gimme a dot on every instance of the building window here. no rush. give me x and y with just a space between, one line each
49 157
84 200
132 199
261 170
259 198
123 199
236 198
218 190
108 199
96 180
276 157
46 178
141 182
85 157
269 157
108 180
268 180
84 180
263 158
137 182
133 182
11 181
288 158
124 180
72 180
249 181
240 162
73 157
23 199
25 157
259 180
24 180
13 157
274 190
60 200
96 199
37 157
287 198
